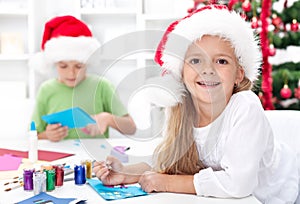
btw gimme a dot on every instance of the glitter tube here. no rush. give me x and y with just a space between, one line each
50 184
59 175
88 164
79 174
39 181
28 179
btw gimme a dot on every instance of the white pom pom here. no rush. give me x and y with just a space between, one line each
38 63
158 91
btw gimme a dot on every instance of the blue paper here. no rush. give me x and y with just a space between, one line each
115 193
46 199
73 118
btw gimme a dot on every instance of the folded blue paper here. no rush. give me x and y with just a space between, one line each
115 193
73 118
45 198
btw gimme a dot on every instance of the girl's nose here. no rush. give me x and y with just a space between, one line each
208 70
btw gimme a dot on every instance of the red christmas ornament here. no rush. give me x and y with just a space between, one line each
243 15
297 90
254 22
285 92
246 6
231 3
272 50
294 25
276 21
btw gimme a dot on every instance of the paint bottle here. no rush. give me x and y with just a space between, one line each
33 144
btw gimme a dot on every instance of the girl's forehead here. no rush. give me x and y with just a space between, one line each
210 43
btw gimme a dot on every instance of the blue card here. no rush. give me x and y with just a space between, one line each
115 193
73 118
46 198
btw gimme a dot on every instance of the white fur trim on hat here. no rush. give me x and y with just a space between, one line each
70 48
210 20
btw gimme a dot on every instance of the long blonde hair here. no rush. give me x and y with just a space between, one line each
178 153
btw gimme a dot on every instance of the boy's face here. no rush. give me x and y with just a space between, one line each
71 73
211 69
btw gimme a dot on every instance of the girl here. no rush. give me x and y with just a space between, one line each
217 140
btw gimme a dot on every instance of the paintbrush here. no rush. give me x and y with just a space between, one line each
14 187
16 181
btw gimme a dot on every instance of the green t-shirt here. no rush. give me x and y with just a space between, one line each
94 95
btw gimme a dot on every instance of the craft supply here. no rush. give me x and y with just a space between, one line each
11 182
79 174
46 167
108 166
120 153
88 164
50 176
44 198
74 117
43 155
28 179
68 171
14 187
59 178
11 162
115 192
39 181
33 144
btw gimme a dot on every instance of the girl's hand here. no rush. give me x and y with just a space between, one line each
56 132
154 182
110 172
103 121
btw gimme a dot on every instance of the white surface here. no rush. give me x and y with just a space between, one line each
15 118
285 125
137 152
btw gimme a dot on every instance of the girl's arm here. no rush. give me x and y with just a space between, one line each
156 182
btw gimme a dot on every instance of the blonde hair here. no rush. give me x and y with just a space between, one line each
178 154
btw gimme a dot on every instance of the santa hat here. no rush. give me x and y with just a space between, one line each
214 20
65 38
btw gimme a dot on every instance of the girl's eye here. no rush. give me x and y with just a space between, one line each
222 61
195 61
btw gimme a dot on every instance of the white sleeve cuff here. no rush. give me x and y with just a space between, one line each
200 179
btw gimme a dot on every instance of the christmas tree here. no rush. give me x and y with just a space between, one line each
277 24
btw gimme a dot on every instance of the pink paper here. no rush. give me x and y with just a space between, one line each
8 162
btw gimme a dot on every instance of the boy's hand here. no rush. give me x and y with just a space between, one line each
102 123
56 132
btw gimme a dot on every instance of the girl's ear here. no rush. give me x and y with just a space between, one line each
240 74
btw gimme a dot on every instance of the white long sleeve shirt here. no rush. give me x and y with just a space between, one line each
242 156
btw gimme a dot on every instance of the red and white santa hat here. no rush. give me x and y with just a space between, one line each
64 38
210 20
67 38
